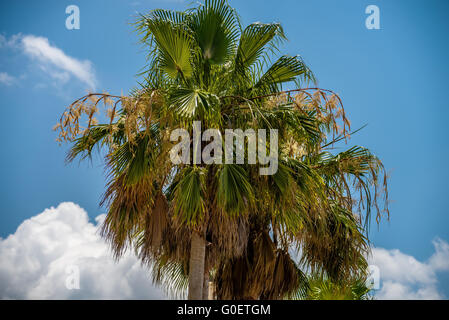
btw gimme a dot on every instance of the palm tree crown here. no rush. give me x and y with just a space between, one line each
225 222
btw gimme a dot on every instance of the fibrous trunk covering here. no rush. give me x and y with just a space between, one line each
196 267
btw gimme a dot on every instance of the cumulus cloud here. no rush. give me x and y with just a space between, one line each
7 79
57 63
405 277
41 259
439 261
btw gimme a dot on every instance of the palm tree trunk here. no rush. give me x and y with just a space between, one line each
211 290
196 265
206 286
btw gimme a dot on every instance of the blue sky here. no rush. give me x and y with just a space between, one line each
393 79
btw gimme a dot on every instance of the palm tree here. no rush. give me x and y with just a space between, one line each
225 222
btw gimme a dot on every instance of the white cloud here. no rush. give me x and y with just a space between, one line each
55 62
35 259
404 277
439 261
7 79
392 290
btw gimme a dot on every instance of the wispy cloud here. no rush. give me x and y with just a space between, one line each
12 42
7 79
56 62
50 59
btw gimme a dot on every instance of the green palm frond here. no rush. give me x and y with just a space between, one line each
215 28
175 17
234 193
172 44
322 288
84 145
136 158
292 123
258 40
285 69
191 102
282 178
172 277
356 168
189 195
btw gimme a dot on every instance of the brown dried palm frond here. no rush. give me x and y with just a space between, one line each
128 204
228 235
157 223
263 272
